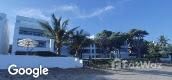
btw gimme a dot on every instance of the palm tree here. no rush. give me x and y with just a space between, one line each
117 40
78 39
163 44
136 41
57 31
103 40
154 51
137 34
163 41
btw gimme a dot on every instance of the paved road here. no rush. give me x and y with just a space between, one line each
88 74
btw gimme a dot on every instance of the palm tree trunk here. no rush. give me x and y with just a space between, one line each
138 52
59 51
119 53
171 58
59 45
76 53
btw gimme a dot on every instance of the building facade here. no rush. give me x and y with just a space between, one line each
166 57
30 28
4 37
94 52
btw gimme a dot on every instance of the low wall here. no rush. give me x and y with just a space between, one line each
36 61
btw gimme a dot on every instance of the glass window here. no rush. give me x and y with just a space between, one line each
38 34
85 51
124 50
29 31
99 51
41 44
92 50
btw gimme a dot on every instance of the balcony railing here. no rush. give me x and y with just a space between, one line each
96 56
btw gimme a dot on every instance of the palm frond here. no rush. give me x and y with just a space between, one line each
64 24
81 31
48 31
55 22
72 30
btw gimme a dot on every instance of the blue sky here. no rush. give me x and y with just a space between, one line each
154 16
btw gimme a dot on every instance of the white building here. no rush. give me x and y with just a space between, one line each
30 28
94 52
4 37
166 57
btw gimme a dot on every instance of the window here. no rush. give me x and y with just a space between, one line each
124 50
85 51
25 32
38 34
92 50
99 51
165 55
29 31
41 44
92 45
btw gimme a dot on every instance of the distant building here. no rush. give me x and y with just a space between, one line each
30 28
95 52
166 57
4 37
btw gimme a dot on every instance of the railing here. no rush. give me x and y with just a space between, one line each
96 56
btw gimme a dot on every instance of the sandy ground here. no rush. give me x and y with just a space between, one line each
89 74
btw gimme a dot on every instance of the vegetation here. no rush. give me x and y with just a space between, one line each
107 40
77 41
136 41
57 31
113 41
110 41
161 47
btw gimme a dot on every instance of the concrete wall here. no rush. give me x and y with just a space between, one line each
4 37
36 61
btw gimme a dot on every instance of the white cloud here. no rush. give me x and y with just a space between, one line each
77 12
108 7
67 8
71 9
97 12
30 12
63 9
92 37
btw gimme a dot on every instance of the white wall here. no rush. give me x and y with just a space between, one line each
4 37
36 61
167 59
29 23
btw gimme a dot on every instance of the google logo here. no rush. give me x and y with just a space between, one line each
36 72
